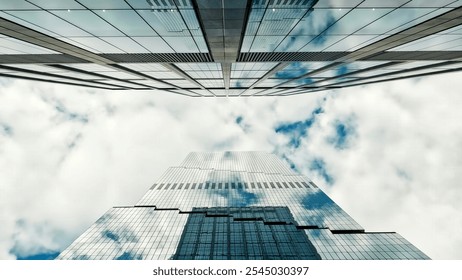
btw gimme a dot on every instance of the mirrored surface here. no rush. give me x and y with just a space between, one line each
234 205
271 52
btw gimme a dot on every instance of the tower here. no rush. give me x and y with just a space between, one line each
234 205
210 48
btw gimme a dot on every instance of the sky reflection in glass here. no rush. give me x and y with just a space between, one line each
188 214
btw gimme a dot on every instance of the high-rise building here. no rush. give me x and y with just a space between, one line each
234 205
228 48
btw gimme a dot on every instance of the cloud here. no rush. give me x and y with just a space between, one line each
6 130
297 130
293 70
71 153
344 134
397 168
68 154
318 166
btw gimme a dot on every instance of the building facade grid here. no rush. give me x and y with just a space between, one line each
234 205
203 48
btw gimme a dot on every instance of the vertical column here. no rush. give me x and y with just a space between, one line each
223 24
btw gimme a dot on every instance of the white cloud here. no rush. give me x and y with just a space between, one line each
400 171
72 153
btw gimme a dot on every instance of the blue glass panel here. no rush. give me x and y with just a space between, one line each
127 21
105 4
55 4
49 22
89 22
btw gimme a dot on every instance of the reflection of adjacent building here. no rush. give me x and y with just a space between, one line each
234 205
203 48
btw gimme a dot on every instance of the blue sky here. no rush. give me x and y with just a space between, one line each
388 154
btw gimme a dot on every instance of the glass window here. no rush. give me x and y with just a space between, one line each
105 4
355 20
293 43
437 42
454 30
90 67
151 4
265 43
428 3
201 44
145 66
247 43
93 44
337 4
166 23
271 82
14 46
16 5
295 69
318 21
242 82
382 4
163 75
280 21
49 22
182 44
191 21
120 75
182 83
154 44
200 66
127 21
34 67
352 42
248 74
140 4
56 4
415 21
253 66
322 42
89 22
393 20
126 44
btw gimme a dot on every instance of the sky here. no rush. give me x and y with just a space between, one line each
389 154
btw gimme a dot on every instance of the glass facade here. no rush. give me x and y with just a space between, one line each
243 233
234 205
203 48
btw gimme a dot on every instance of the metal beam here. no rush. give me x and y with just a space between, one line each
437 24
28 35
223 24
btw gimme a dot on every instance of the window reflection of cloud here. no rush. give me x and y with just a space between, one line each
317 203
363 246
313 29
146 232
110 235
321 211
294 70
129 256
342 70
308 206
104 218
238 197
267 28
119 237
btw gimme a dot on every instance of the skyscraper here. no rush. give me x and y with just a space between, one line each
234 205
208 48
